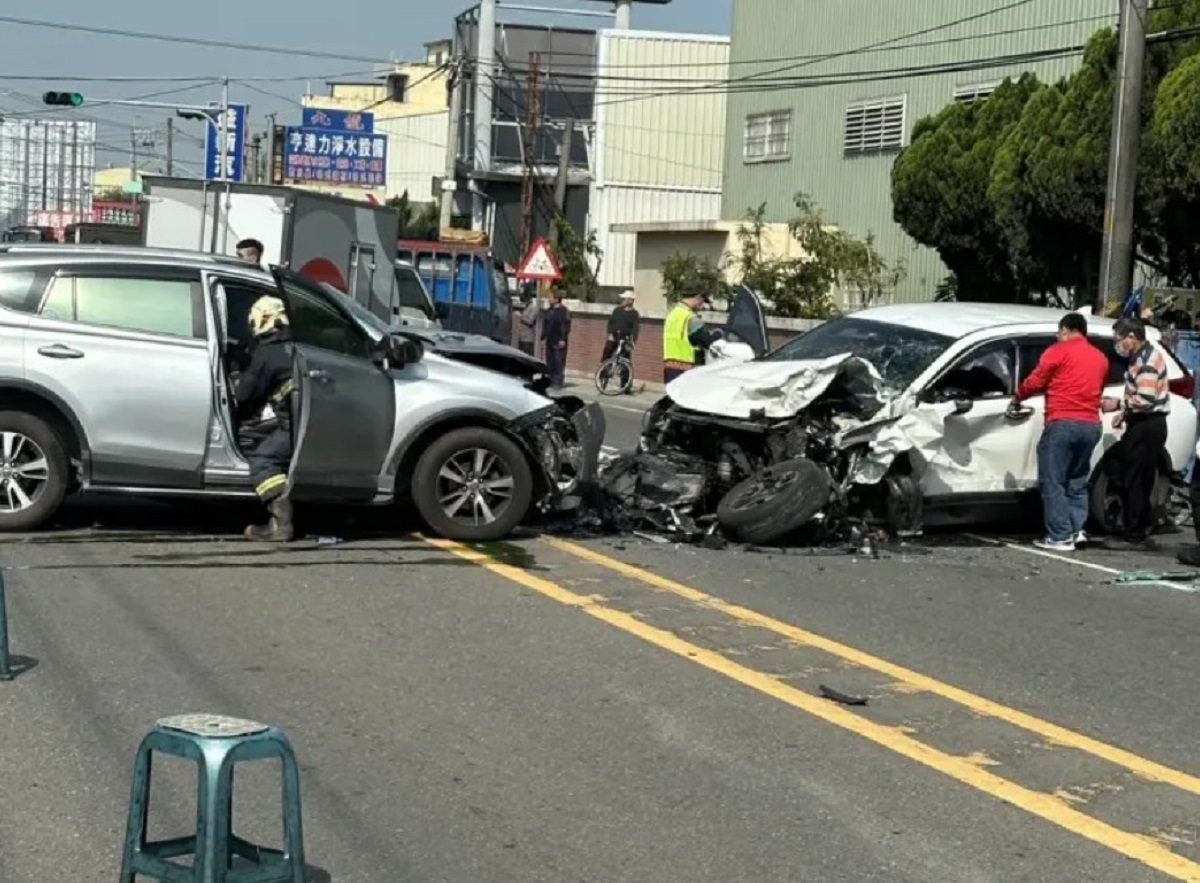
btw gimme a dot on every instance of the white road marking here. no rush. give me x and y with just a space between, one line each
638 411
1042 553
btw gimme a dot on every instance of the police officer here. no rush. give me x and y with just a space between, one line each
685 336
263 394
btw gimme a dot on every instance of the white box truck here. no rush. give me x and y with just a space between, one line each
348 244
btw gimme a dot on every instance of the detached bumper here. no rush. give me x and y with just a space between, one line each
564 439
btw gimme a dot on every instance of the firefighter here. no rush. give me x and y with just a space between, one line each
685 336
263 394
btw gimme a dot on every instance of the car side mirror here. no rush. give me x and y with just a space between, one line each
403 351
963 406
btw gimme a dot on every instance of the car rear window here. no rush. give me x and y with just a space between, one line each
22 289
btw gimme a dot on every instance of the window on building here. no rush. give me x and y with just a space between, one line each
768 137
397 87
973 93
875 126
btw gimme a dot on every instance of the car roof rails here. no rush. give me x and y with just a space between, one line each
48 248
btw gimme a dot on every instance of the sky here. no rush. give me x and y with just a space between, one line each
367 29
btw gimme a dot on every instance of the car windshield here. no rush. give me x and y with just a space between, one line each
898 352
411 293
370 322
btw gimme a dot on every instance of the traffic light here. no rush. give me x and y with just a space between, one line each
63 99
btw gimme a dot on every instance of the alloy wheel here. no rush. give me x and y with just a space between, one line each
475 486
24 472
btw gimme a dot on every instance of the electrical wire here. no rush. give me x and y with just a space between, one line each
191 41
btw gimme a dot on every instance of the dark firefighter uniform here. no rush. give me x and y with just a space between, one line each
263 393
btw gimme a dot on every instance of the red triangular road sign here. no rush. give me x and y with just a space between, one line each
540 264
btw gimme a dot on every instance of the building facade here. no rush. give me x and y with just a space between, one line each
46 169
659 146
831 106
411 106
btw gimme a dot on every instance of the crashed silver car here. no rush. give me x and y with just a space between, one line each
896 416
114 377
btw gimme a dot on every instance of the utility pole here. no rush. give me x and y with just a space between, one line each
450 182
532 134
560 183
624 10
170 146
1116 265
133 154
485 67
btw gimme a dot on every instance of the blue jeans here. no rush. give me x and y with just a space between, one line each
1064 467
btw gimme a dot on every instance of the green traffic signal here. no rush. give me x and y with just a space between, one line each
63 99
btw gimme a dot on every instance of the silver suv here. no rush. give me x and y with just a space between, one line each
113 377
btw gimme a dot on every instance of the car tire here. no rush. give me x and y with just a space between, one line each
1104 506
457 453
776 502
45 495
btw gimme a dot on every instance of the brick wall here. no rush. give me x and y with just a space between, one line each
589 330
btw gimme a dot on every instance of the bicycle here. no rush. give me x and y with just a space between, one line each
614 377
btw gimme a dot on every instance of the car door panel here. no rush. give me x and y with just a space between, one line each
979 450
144 400
347 401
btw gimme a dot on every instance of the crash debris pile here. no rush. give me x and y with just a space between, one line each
810 460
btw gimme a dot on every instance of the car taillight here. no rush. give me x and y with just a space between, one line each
1184 386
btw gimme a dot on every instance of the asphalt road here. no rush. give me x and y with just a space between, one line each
607 710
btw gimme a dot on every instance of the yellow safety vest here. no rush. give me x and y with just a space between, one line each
676 346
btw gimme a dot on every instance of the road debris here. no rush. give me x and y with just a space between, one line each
1157 576
839 697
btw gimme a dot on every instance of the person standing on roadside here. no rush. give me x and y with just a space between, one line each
685 335
527 323
1143 412
556 332
1071 373
623 324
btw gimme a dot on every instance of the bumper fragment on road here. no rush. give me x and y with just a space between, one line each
965 770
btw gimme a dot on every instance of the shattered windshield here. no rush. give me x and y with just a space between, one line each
898 352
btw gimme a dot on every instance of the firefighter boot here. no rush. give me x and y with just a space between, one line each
279 529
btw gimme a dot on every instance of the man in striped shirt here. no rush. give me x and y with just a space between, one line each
1143 412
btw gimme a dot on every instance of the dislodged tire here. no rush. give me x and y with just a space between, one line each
776 502
473 484
1107 509
34 471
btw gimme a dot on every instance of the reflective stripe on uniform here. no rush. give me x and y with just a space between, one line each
676 345
284 391
271 484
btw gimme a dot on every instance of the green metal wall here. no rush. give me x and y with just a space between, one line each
855 191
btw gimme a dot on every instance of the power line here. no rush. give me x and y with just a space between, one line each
191 41
90 78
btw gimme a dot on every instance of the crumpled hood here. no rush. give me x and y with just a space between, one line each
739 389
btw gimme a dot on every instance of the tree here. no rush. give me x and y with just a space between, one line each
579 257
685 273
417 220
940 189
803 287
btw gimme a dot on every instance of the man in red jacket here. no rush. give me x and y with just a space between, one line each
1071 373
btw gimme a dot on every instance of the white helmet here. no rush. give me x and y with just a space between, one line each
267 314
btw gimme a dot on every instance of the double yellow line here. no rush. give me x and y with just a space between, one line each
1046 806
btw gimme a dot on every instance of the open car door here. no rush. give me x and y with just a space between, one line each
344 419
747 322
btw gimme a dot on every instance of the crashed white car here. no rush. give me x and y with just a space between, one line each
898 415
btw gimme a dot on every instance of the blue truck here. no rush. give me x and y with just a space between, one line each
471 288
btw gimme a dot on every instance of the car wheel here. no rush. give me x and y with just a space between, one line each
1108 511
34 471
473 484
775 502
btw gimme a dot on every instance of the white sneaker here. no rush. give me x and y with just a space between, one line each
1055 545
1081 538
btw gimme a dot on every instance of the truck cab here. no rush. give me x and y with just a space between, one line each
469 285
412 305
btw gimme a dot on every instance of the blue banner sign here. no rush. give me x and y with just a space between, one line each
335 157
225 147
359 122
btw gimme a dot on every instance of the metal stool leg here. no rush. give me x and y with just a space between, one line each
139 810
6 672
212 841
293 822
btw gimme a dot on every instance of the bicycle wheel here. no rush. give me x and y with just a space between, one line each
624 372
608 378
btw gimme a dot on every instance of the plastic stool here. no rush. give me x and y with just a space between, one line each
216 743
6 672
